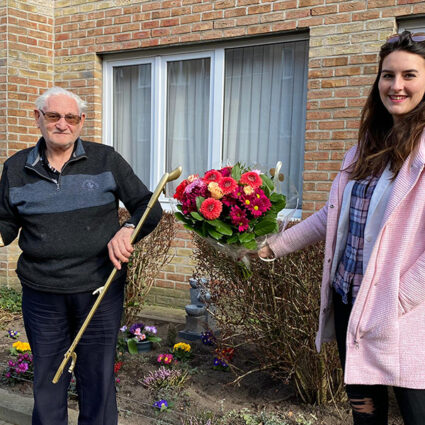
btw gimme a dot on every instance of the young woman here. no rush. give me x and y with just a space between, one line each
373 287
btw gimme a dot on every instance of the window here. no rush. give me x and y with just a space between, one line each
206 108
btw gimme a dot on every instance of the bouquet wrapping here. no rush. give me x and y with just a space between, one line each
236 207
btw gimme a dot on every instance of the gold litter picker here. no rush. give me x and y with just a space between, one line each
70 354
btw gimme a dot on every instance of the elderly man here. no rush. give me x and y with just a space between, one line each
63 195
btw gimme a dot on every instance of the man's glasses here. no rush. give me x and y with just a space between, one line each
414 36
55 117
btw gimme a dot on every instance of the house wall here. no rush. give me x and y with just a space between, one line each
26 70
63 42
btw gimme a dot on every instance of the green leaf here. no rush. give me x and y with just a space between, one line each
154 339
215 234
251 245
278 206
233 239
236 172
246 237
221 227
268 182
180 216
265 227
277 197
197 216
199 200
194 229
132 346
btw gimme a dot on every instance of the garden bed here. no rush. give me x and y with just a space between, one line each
206 394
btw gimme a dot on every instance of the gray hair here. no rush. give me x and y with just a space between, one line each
41 101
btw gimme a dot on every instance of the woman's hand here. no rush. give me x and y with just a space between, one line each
266 252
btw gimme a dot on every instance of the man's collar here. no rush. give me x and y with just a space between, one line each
36 154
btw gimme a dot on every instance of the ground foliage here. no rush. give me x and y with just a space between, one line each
274 312
149 257
10 305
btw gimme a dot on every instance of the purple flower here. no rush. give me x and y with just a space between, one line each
22 368
136 326
11 364
12 334
8 375
151 329
123 329
161 404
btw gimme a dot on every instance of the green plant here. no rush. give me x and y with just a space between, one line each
182 351
274 312
10 300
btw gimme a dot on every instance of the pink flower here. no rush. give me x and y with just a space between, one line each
251 178
191 192
239 219
159 358
211 208
228 185
168 358
226 171
212 176
257 204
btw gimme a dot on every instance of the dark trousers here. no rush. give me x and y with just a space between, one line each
51 323
410 401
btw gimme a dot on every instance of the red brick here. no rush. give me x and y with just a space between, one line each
351 6
324 10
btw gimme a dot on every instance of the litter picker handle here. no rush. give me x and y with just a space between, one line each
70 354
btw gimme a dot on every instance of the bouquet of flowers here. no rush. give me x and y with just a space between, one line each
234 206
136 333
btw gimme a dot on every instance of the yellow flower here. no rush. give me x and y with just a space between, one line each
215 190
182 346
21 346
248 190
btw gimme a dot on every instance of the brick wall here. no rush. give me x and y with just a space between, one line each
345 36
26 70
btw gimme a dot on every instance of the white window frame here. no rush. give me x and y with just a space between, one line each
411 24
158 58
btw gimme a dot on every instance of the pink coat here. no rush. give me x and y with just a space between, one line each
386 331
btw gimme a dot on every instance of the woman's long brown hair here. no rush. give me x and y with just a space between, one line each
382 141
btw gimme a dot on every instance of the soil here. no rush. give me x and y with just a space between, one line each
206 390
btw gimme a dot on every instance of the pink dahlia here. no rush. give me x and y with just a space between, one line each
238 217
212 176
228 185
251 178
211 208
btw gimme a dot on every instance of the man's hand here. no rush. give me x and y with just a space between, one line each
120 248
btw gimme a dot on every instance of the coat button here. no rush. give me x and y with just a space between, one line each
331 206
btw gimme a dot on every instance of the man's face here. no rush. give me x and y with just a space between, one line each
59 135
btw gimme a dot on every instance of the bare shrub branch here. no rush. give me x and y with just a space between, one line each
275 311
150 255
